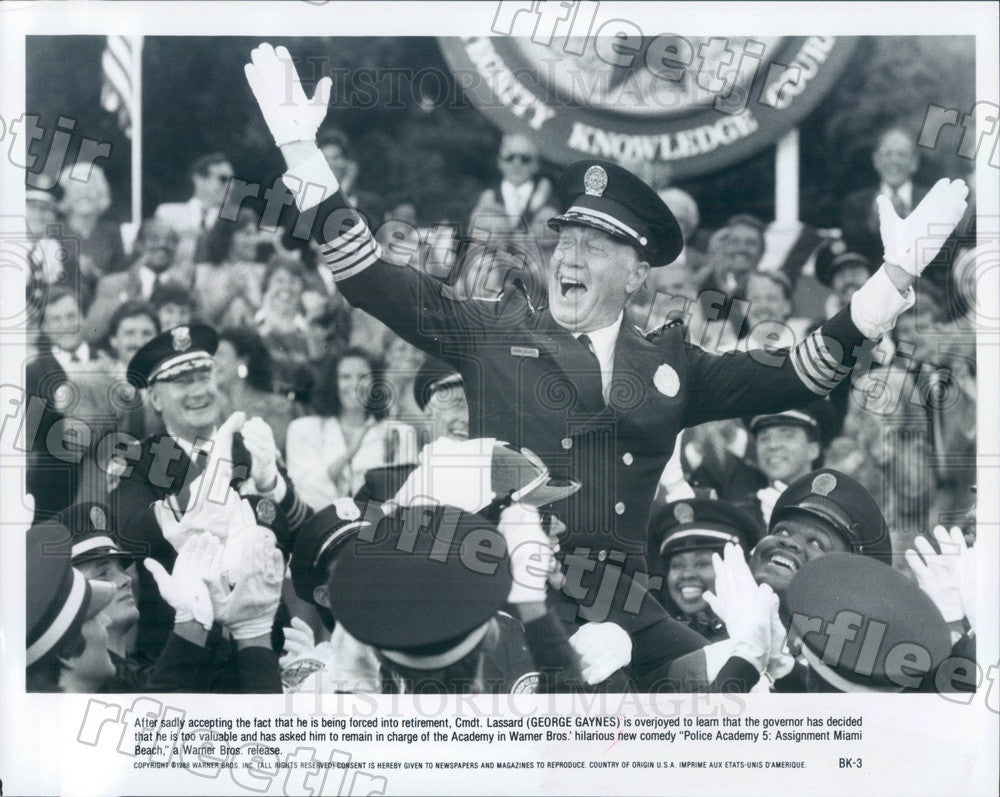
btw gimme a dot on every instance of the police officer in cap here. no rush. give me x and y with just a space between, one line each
823 512
176 368
588 393
683 535
66 637
440 394
96 553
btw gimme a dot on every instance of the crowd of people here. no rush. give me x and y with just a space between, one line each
260 479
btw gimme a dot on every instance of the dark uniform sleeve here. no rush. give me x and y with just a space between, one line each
749 383
555 659
411 303
182 667
258 671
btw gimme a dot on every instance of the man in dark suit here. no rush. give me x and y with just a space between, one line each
156 246
177 368
597 401
515 200
896 160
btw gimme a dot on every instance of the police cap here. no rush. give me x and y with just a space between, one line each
841 501
58 597
834 256
607 197
863 626
433 376
317 541
93 535
695 524
172 353
800 417
425 586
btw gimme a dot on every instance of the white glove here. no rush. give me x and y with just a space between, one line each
531 553
603 649
184 589
290 115
300 642
259 440
247 607
940 575
743 605
212 505
913 242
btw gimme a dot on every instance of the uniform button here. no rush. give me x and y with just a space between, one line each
567 443
602 555
619 508
627 458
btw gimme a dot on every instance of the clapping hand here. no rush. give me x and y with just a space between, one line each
744 606
247 606
184 589
949 577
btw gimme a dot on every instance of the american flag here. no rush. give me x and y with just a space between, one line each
119 76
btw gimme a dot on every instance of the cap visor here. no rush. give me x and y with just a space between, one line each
549 493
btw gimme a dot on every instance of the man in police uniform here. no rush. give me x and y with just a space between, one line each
822 513
440 395
594 398
177 369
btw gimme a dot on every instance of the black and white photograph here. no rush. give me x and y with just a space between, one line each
499 398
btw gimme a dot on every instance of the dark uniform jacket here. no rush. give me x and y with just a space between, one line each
157 469
186 667
531 383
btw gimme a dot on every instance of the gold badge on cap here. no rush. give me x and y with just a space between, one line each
595 181
182 338
266 511
97 518
684 513
824 484
346 509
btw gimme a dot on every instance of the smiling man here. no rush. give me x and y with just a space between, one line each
594 398
177 370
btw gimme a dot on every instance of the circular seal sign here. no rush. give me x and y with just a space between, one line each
696 103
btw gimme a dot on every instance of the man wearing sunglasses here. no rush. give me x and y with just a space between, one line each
596 400
514 202
197 220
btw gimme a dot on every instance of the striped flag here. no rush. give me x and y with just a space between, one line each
120 77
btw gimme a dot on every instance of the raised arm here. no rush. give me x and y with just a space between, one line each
407 301
748 383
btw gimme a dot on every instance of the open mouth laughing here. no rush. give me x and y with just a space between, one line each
571 288
784 561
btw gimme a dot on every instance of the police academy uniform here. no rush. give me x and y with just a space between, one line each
695 524
159 467
530 382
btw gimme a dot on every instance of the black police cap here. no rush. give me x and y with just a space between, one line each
882 615
796 417
607 197
843 503
430 577
695 524
319 539
58 598
172 353
433 375
93 533
834 256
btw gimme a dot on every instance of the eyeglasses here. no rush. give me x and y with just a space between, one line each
222 178
510 157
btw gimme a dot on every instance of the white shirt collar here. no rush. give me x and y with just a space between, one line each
190 448
65 358
516 197
905 191
147 279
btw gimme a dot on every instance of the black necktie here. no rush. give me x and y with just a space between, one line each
595 364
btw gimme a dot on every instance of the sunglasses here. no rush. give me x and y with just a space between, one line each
510 157
221 178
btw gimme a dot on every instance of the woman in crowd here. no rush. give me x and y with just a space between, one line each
243 370
83 205
402 362
281 323
330 450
